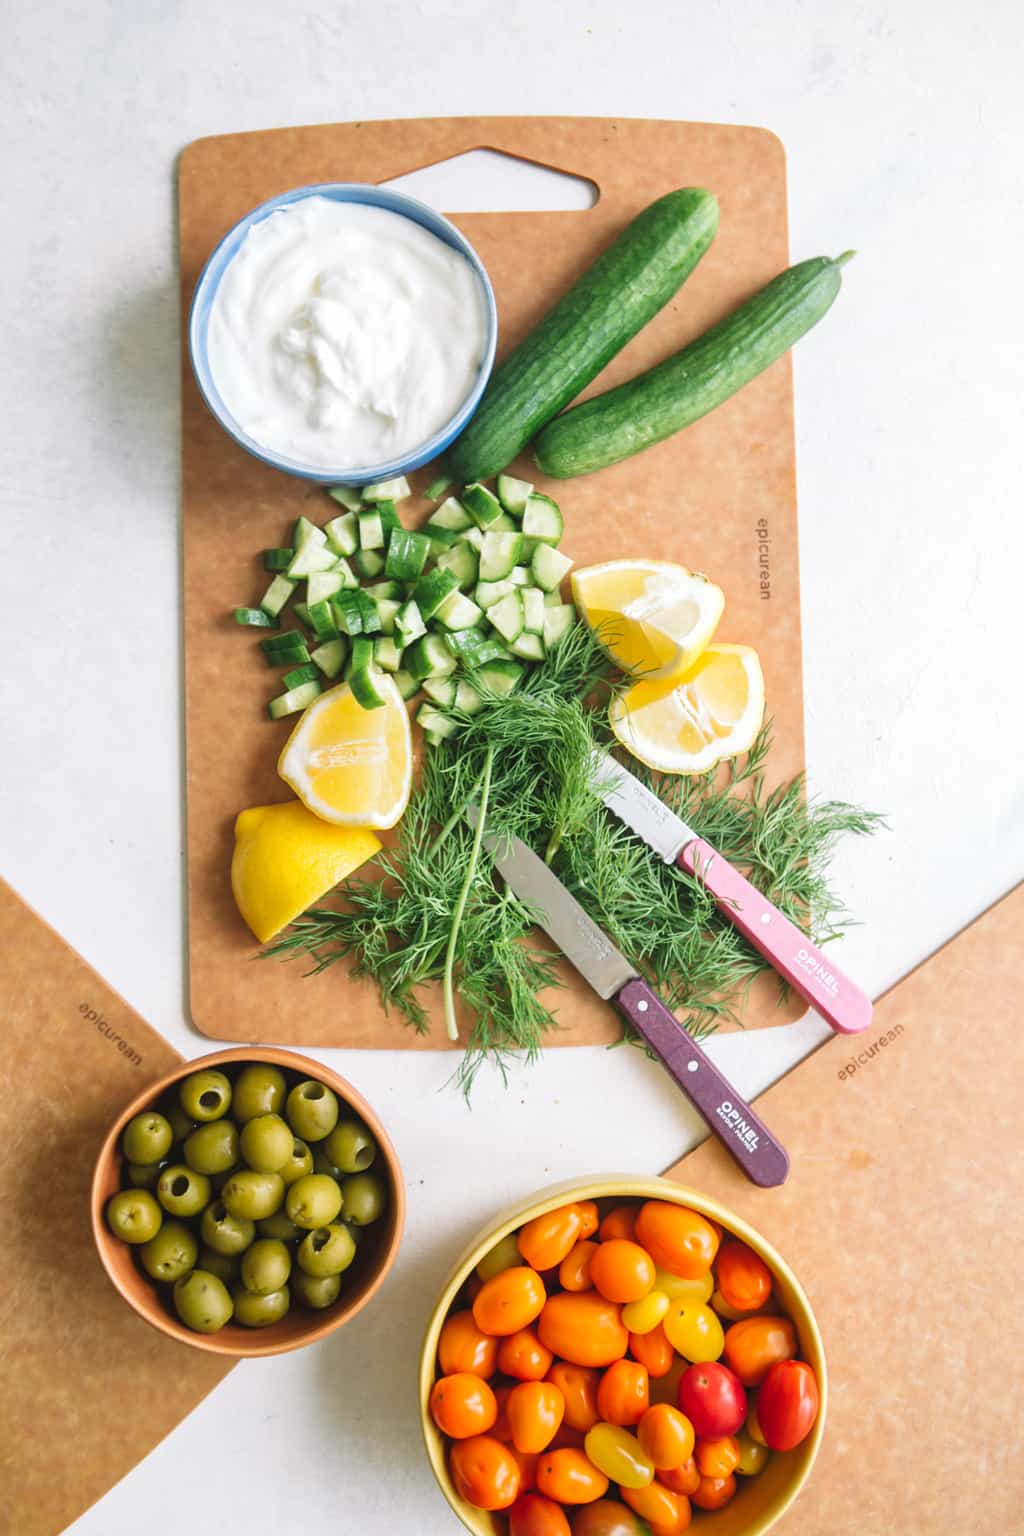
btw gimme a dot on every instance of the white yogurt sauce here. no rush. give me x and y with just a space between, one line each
344 335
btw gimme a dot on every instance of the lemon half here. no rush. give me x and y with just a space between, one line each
350 765
286 859
688 724
652 617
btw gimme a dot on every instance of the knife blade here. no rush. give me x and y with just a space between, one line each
743 1134
819 981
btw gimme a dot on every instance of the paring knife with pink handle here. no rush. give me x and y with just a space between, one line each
817 980
743 1134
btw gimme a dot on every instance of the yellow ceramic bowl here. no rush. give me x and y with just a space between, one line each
760 1501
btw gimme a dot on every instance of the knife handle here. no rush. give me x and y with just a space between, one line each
742 1133
818 981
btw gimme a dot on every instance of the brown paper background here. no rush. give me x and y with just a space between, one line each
902 1219
695 498
86 1388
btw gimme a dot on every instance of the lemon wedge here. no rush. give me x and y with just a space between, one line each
285 859
350 765
688 724
651 616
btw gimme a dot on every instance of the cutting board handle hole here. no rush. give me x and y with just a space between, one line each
491 181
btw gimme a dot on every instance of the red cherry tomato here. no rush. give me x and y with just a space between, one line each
653 1350
485 1472
534 1515
462 1347
744 1279
787 1404
753 1346
545 1241
713 1399
463 1405
624 1393
523 1356
714 1492
676 1238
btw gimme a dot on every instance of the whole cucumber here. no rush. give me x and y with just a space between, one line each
604 308
688 385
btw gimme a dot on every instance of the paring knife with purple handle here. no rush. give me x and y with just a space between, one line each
743 1134
817 980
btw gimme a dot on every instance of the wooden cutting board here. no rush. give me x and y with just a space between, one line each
88 1388
901 1216
719 498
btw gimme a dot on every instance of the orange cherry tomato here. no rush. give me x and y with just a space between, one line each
462 1347
578 1386
755 1345
622 1271
509 1301
621 1222
523 1356
667 1437
590 1218
717 1458
624 1393
583 1329
485 1472
534 1515
653 1350
570 1477
574 1270
714 1492
501 1429
535 1410
684 1479
527 1469
463 1405
787 1404
545 1241
676 1238
667 1513
744 1279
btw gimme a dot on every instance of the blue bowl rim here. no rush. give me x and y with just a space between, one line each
394 202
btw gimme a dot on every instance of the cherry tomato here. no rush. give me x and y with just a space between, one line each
643 1315
462 1347
574 1270
501 1429
713 1399
744 1279
667 1513
584 1329
463 1405
753 1346
504 1255
509 1301
570 1477
622 1271
787 1404
753 1428
605 1518
753 1455
527 1469
698 1289
619 1455
534 1515
717 1458
485 1472
714 1492
578 1385
624 1393
667 1437
653 1350
729 1314
694 1330
590 1218
535 1410
684 1479
666 1388
677 1239
545 1241
523 1356
621 1222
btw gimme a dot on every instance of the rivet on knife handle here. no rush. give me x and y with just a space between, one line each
743 1134
818 981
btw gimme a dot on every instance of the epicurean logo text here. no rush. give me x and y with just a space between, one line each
92 1017
764 564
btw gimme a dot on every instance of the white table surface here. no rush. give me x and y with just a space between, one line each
903 124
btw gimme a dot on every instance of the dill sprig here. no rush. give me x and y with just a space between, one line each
432 910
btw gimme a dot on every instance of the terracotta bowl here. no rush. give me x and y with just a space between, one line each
761 1500
377 1249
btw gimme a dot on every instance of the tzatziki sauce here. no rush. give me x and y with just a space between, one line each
343 335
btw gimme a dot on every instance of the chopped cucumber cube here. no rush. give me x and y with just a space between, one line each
369 613
277 559
276 595
429 657
365 683
387 654
529 646
498 677
481 504
347 496
301 612
440 691
348 612
467 699
307 673
435 723
542 519
503 524
489 592
499 555
473 646
549 566
343 534
361 655
409 625
533 609
459 612
513 494
432 589
284 649
520 576
553 599
507 616
391 590
389 518
256 617
294 701
323 584
311 557
322 620
440 539
474 538
371 530
368 562
330 657
407 554
557 624
305 533
450 514
388 490
406 684
387 608
463 564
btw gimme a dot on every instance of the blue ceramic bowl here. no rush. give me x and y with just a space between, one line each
206 290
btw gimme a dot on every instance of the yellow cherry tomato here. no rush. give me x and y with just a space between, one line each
504 1255
619 1455
677 1288
643 1315
752 1455
694 1331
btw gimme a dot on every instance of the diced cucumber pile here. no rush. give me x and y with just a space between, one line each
456 609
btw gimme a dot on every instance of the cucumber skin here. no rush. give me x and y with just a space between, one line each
604 308
655 405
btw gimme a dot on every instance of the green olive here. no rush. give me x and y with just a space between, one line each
223 1265
171 1254
266 1266
315 1291
267 1143
182 1125
350 1146
253 1195
280 1225
213 1148
312 1110
259 1090
202 1301
254 1311
363 1197
327 1251
205 1095
147 1138
182 1191
134 1216
299 1164
313 1201
141 1175
223 1232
